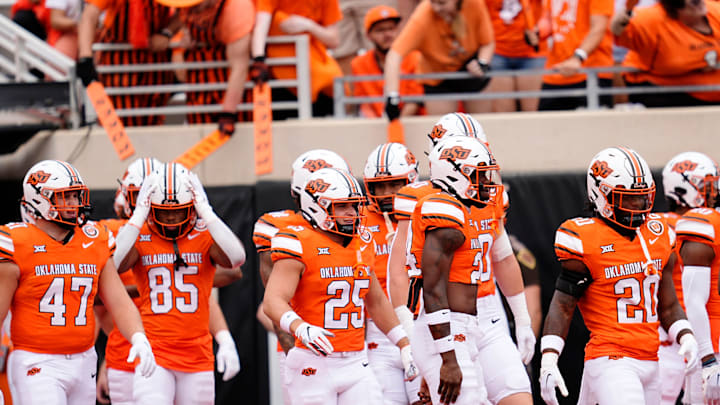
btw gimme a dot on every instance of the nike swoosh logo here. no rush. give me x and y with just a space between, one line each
87 245
193 236
365 364
362 249
495 320
93 375
652 241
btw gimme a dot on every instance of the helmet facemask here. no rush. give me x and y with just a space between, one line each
172 221
69 206
707 189
341 222
384 202
630 207
484 187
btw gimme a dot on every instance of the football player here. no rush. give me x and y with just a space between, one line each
320 286
389 167
173 241
52 268
697 232
617 269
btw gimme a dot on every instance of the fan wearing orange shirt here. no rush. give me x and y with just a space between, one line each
451 35
617 269
320 286
674 43
52 268
172 242
581 38
389 167
381 27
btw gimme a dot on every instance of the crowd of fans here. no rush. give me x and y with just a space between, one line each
672 42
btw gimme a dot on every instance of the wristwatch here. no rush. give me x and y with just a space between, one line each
581 54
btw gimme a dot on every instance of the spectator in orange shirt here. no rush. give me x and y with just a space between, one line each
64 17
451 35
581 38
381 27
675 42
317 19
517 47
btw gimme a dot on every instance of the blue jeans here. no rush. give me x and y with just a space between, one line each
500 62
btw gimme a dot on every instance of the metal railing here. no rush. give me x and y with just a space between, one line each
301 61
592 90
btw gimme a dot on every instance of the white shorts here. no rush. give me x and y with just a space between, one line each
342 378
467 333
625 380
503 369
50 379
385 361
120 384
170 387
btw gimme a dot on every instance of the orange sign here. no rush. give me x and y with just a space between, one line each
204 148
109 120
262 123
396 132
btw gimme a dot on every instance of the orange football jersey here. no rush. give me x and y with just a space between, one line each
405 201
471 262
332 288
268 225
672 219
52 308
703 225
620 305
175 302
375 224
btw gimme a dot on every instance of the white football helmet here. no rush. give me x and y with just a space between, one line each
465 168
172 213
388 162
26 212
690 179
133 179
457 124
53 190
620 186
325 189
308 163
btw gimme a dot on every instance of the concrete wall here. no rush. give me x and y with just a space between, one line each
523 143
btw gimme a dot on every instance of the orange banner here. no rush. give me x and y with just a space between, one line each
109 120
262 123
204 148
396 132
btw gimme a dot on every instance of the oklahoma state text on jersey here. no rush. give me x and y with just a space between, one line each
268 225
471 262
703 225
620 305
175 303
332 288
378 228
52 309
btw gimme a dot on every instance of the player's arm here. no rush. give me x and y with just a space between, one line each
263 20
228 361
225 276
9 276
125 253
287 341
697 258
398 280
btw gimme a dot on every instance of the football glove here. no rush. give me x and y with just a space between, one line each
392 106
85 69
411 370
200 199
550 378
689 350
315 338
711 382
525 342
227 358
259 70
142 206
226 122
141 349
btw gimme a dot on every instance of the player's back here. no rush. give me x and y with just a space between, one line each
268 225
620 304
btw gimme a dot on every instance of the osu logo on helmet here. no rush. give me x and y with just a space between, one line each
684 166
317 186
314 165
38 177
601 169
410 158
437 132
456 152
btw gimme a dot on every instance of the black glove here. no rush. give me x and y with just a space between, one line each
392 107
259 70
85 69
226 122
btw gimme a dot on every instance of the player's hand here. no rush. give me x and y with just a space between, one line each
711 382
392 106
141 349
550 378
424 393
227 358
259 70
85 69
406 320
315 338
477 68
525 342
450 378
102 392
226 122
689 350
411 370
144 200
200 199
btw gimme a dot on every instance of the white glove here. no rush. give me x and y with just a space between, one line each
550 378
689 350
144 199
411 370
141 349
525 342
200 200
227 358
406 319
711 383
314 338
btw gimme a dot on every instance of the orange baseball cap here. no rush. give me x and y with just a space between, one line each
380 13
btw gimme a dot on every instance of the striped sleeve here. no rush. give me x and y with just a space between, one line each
568 244
286 245
695 228
440 212
263 234
404 205
7 248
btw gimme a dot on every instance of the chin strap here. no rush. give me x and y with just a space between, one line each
390 227
179 262
649 265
